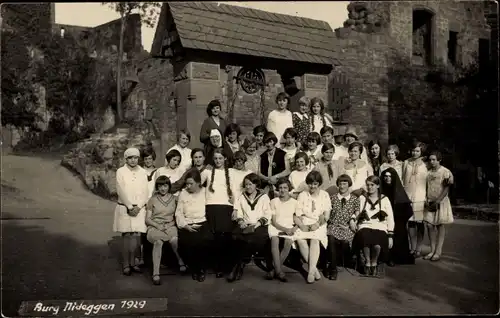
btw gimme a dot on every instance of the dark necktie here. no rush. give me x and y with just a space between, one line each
342 202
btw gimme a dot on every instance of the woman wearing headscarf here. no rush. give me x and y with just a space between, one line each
401 206
215 142
130 213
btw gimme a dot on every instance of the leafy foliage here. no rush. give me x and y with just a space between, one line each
148 12
444 108
18 96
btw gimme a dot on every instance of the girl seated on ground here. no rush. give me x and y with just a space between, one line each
194 233
160 220
374 226
252 213
282 227
340 236
313 211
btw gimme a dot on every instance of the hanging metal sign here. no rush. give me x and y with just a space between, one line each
251 80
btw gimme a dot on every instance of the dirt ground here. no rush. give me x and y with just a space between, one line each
57 243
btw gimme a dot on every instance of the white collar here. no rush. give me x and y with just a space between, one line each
341 197
301 116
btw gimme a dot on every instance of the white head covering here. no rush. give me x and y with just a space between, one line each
216 132
130 152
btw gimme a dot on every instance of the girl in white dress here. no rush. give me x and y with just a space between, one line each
282 226
172 169
183 140
311 216
281 118
130 212
392 154
437 211
298 176
414 182
290 147
356 168
319 118
313 148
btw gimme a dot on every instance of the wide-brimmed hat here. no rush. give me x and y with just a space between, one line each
351 131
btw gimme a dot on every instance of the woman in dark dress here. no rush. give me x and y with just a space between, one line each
401 206
213 121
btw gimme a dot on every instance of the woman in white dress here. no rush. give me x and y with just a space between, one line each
239 172
290 136
298 176
415 182
356 168
281 118
172 170
282 227
130 212
437 211
311 216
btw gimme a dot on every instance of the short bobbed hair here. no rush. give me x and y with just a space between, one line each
314 176
213 103
172 154
162 180
270 136
344 178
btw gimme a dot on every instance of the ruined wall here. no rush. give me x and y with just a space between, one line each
364 61
465 17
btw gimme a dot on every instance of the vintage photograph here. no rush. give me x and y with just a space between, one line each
250 158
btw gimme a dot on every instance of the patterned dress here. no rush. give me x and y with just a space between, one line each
436 181
342 210
302 124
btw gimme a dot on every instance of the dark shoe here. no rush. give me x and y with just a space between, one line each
332 274
281 277
195 276
156 280
201 276
391 263
269 275
219 274
127 271
234 273
327 269
367 270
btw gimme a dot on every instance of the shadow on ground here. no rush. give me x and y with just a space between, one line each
41 265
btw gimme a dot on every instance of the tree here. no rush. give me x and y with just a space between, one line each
18 96
148 13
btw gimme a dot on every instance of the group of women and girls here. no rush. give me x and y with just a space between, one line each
293 184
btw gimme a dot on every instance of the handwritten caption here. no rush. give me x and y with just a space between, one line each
92 307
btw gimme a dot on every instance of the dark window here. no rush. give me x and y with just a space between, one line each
422 37
483 54
452 47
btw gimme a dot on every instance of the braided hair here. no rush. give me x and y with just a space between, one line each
321 112
226 173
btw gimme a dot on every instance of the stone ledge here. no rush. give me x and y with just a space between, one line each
483 212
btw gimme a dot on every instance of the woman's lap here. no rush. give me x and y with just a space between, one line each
167 235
